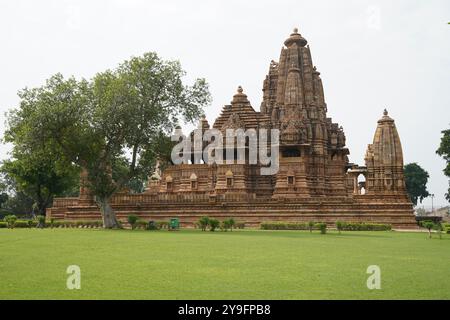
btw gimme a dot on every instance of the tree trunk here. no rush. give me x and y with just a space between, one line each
108 214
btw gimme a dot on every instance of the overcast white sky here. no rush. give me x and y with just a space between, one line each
371 55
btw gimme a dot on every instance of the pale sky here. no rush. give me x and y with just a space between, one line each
371 55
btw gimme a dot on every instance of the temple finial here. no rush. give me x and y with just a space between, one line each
385 112
240 90
297 38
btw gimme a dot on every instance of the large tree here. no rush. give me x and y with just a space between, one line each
114 125
40 176
444 152
35 168
416 179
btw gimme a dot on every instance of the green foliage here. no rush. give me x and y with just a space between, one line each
416 179
357 226
77 224
36 167
41 221
3 199
322 227
428 224
286 226
22 224
152 225
444 152
339 226
227 224
18 203
213 224
311 225
3 224
132 219
203 223
446 227
231 223
10 220
439 228
115 125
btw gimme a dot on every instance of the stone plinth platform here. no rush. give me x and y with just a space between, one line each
391 210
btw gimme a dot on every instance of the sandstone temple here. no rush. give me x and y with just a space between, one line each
315 180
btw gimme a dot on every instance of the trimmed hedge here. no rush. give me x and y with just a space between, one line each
446 227
156 225
284 226
77 224
55 224
348 226
353 226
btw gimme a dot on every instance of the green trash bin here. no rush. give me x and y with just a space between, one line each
174 224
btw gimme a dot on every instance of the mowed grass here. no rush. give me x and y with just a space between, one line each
244 264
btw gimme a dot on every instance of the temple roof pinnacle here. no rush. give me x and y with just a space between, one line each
240 96
386 117
297 38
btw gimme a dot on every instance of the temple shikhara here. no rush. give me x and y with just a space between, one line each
315 180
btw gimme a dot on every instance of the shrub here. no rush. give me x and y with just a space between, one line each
52 222
10 220
213 224
285 226
132 219
41 222
311 225
152 225
339 225
225 225
32 223
203 223
322 227
21 224
3 225
231 223
438 227
353 226
428 224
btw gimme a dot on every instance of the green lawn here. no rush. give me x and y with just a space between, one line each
248 264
